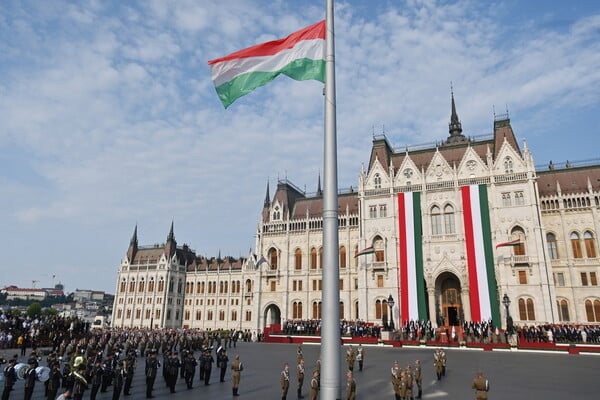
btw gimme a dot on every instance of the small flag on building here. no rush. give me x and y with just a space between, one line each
368 250
515 242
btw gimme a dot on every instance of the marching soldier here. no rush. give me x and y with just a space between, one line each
189 369
118 380
360 356
299 354
152 365
350 387
418 378
481 386
437 364
396 382
444 359
10 378
80 384
30 378
172 367
285 381
54 381
96 379
236 369
314 385
300 374
350 358
208 360
129 368
107 373
222 361
408 377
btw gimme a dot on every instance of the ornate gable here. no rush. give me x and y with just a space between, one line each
471 165
438 169
408 173
509 160
378 176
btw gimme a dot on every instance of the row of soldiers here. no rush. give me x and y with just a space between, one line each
403 380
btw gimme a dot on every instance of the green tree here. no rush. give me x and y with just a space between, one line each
49 311
34 310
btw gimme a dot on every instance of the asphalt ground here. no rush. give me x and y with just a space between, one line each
512 375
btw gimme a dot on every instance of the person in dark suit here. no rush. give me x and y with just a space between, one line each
222 361
208 360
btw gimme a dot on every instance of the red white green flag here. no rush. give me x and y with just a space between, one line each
410 250
480 257
301 56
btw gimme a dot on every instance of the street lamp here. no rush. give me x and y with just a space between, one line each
506 302
390 302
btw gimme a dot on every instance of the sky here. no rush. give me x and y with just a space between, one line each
109 119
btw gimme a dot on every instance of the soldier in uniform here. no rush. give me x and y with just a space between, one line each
300 375
350 358
10 378
285 381
481 386
418 378
236 369
408 377
314 385
152 365
360 356
118 380
222 361
396 382
208 360
107 375
129 369
189 369
96 378
299 354
172 370
54 381
443 357
30 378
437 364
350 387
80 384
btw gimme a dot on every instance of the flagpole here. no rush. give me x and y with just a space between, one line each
330 311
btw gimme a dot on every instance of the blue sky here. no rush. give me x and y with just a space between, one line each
108 117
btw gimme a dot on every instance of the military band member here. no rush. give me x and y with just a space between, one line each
172 371
107 373
189 369
396 380
53 381
30 378
208 361
481 386
285 381
300 375
360 356
418 379
350 387
10 378
96 379
314 385
80 384
129 368
152 365
222 361
236 369
118 380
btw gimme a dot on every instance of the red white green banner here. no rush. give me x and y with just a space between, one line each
410 251
480 256
301 56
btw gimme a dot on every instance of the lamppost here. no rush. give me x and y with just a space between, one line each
391 302
506 302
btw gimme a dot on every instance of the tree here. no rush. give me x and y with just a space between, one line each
34 310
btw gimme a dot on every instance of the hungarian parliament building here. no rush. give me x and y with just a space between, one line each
466 229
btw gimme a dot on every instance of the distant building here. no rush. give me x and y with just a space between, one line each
15 293
447 230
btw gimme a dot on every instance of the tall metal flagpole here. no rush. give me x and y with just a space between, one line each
330 311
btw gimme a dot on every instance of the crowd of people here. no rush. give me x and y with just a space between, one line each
347 328
559 333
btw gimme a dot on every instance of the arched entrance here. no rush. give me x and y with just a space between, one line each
272 315
450 310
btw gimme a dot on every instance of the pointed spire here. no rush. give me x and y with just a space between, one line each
134 239
267 203
319 191
171 237
455 127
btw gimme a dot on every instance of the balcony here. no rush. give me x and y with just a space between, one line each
248 295
380 266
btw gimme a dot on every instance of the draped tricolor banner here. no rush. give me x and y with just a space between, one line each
410 250
480 257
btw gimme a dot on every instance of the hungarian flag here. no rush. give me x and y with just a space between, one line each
301 56
410 250
515 242
367 250
480 258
